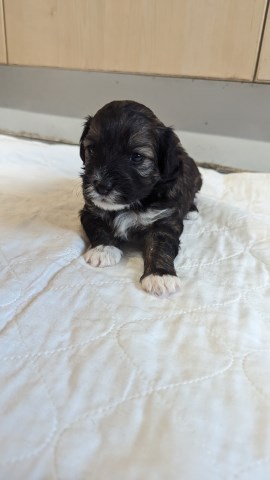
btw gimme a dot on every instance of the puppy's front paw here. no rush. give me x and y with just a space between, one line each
103 256
161 285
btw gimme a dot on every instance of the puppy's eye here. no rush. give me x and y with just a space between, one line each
136 157
91 149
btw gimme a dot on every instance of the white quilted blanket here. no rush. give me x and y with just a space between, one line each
100 381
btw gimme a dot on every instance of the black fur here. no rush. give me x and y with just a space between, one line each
133 160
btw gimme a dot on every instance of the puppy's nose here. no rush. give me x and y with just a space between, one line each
103 188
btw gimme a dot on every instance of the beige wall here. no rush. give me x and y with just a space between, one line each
264 63
196 38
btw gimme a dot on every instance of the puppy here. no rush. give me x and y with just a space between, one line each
138 184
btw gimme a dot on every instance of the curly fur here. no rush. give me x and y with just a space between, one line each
138 183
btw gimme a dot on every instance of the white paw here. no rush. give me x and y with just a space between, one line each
161 285
103 256
194 215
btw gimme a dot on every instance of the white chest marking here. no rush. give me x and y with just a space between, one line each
126 220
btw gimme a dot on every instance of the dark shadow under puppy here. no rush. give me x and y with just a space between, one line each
138 184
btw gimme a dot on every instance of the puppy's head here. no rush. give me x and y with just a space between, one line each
126 151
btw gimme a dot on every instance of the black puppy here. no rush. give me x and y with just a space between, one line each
138 182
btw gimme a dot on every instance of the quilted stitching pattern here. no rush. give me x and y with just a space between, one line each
100 380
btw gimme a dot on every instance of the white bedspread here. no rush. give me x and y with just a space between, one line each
101 381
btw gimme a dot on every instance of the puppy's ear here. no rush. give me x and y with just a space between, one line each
84 133
170 154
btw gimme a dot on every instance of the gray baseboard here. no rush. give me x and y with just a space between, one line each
225 123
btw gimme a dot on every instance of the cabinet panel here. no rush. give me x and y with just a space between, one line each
3 58
263 73
209 38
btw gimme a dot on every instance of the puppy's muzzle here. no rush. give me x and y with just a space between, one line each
103 187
